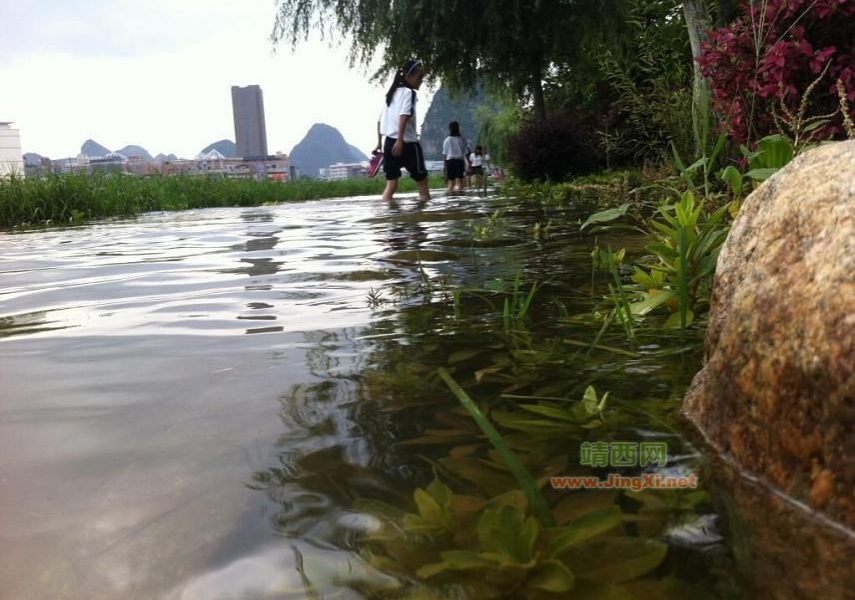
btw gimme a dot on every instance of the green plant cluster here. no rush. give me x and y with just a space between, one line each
493 549
72 198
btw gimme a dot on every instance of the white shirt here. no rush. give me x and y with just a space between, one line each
403 103
476 160
454 147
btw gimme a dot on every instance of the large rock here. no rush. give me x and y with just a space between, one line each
777 392
776 396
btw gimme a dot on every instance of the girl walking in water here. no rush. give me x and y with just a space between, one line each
398 123
454 156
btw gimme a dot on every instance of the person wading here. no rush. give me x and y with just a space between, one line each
397 123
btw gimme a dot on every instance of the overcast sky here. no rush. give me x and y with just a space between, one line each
158 73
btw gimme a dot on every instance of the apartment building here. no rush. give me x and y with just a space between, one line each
11 159
341 171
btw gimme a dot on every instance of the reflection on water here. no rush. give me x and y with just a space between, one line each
151 448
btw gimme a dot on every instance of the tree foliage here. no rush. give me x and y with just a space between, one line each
651 79
510 43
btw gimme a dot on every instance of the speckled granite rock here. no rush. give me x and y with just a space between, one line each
777 392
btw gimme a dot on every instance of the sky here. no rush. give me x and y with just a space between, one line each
158 74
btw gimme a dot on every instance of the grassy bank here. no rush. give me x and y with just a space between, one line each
75 197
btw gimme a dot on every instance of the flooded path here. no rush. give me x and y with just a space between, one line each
184 408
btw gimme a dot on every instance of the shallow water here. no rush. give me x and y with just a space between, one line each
185 408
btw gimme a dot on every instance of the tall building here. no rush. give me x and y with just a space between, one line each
11 161
250 130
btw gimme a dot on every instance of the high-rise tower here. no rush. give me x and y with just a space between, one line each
250 130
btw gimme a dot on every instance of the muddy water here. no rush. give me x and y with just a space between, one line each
182 394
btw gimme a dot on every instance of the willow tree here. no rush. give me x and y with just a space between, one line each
510 44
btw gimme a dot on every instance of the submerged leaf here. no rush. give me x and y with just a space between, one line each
552 576
614 560
462 355
584 528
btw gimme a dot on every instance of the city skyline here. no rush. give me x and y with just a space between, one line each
159 75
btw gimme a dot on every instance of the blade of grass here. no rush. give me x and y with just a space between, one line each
529 486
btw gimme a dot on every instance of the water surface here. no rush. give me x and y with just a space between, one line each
186 409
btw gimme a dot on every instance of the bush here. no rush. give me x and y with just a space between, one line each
771 55
555 148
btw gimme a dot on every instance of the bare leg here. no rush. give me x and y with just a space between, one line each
424 191
391 186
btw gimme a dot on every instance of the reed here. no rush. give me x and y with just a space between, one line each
59 199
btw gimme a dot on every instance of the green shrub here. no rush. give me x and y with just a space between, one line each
555 148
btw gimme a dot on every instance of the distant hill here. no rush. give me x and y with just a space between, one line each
162 158
93 149
444 109
135 152
323 146
358 155
225 147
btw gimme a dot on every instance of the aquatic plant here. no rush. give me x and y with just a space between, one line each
685 258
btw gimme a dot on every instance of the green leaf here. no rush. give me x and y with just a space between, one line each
429 509
761 174
440 492
527 539
662 250
606 215
614 560
552 576
456 560
549 411
673 321
588 406
515 465
669 232
653 301
815 125
733 178
775 152
584 528
466 354
532 425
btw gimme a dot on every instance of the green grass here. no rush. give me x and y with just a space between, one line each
67 198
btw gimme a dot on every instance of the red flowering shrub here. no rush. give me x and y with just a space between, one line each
774 51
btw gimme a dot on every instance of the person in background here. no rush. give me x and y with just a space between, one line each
454 157
488 168
399 124
476 160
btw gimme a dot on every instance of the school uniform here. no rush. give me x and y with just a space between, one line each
412 158
454 151
476 161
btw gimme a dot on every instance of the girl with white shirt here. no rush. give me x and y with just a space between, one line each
454 157
476 161
398 123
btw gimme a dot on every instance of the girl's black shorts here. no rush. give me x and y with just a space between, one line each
454 168
412 159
